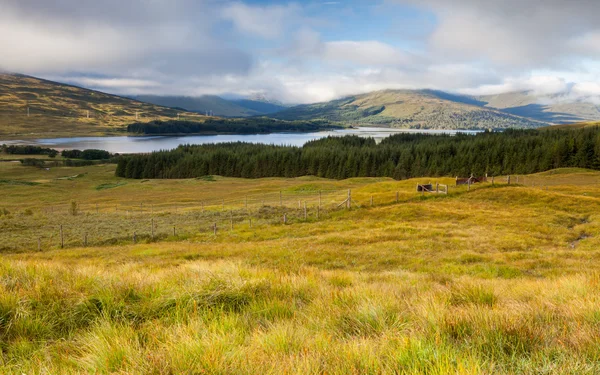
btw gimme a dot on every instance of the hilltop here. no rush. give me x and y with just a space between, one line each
36 107
410 109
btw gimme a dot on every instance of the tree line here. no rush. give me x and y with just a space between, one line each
260 125
89 154
28 150
400 156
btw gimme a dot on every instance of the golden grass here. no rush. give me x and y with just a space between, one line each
498 280
57 110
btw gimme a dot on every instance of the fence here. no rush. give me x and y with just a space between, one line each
99 224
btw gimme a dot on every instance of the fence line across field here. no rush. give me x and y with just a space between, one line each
147 220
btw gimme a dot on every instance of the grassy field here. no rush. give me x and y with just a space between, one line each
496 280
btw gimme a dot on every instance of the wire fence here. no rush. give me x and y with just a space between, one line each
76 224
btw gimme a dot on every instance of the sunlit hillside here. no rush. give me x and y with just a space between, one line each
32 107
410 109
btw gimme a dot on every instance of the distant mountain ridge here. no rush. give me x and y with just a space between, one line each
214 104
410 109
554 108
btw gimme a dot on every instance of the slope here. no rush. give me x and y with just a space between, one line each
556 108
260 106
33 107
409 109
201 104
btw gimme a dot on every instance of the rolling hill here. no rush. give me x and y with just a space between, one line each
218 106
33 107
410 109
556 108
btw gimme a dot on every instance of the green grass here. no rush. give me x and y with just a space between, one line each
498 280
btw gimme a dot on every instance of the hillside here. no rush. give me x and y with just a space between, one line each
216 104
409 109
32 107
556 108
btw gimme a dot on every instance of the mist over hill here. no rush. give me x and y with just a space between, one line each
214 104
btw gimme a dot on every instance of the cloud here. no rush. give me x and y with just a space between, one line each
513 34
114 37
303 51
369 52
262 21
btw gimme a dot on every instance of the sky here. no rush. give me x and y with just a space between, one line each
306 51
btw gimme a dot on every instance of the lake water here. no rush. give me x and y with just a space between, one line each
145 144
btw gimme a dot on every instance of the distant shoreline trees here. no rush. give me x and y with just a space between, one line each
260 125
400 156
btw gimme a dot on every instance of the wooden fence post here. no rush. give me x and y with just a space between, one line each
250 220
215 229
437 187
174 232
508 179
371 201
134 238
85 240
320 196
231 220
284 219
349 203
492 180
152 227
62 238
318 212
305 213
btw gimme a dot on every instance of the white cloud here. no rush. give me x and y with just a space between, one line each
194 47
370 52
517 34
263 21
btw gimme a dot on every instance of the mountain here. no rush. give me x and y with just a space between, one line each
201 104
33 107
555 108
260 107
410 109
218 106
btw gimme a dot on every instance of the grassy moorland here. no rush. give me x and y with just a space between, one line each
496 280
59 110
